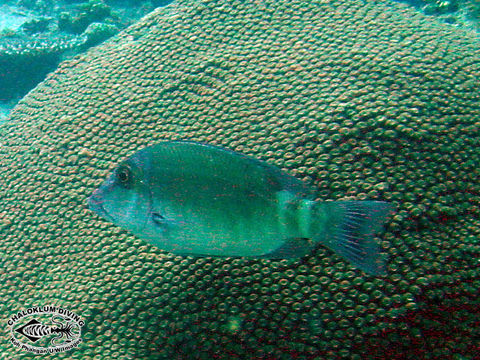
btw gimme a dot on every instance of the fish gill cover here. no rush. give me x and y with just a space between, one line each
361 100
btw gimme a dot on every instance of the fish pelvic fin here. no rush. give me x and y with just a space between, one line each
348 228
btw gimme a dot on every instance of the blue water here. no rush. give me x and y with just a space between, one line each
4 111
10 19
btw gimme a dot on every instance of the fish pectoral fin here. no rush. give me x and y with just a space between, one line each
158 218
291 248
161 221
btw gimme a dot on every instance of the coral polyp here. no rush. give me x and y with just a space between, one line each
361 100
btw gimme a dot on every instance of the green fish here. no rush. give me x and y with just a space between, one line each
197 199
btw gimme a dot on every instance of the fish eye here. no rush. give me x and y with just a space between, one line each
124 175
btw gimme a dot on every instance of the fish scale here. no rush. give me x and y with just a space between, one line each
202 200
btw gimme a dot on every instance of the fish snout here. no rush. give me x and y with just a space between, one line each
94 198
95 202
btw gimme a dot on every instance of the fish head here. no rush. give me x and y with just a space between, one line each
124 198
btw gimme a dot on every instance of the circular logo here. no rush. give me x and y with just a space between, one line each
45 329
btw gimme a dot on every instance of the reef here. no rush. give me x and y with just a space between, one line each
36 35
461 13
26 62
362 100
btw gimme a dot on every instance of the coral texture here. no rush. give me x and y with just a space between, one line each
361 100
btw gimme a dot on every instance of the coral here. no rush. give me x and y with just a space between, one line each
439 7
42 6
38 25
24 62
10 19
98 32
463 13
86 14
359 99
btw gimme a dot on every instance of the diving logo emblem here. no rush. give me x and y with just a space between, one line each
45 329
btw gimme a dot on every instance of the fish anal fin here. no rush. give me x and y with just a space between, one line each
291 248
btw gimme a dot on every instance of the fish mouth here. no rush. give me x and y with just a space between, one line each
96 205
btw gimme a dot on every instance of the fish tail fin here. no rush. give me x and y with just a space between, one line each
348 228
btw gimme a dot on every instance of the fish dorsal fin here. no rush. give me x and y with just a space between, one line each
195 159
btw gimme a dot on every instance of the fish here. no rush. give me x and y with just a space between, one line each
197 199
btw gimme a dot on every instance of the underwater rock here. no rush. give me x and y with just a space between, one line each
362 100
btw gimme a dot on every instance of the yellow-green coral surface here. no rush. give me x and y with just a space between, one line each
362 100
